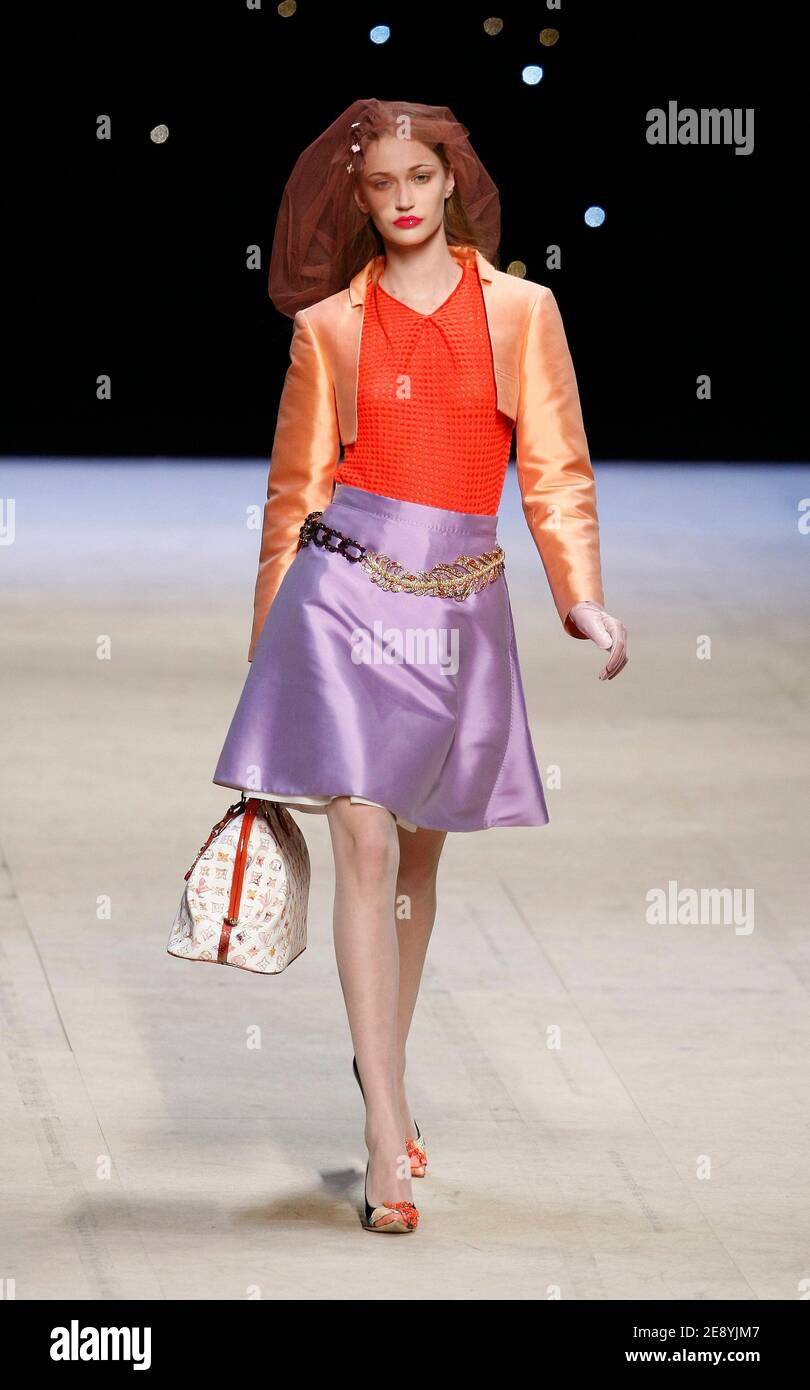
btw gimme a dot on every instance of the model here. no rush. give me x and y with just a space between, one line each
385 689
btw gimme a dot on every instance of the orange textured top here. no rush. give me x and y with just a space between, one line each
428 426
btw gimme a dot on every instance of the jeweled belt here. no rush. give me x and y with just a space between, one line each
458 578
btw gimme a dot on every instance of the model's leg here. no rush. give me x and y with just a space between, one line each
419 853
366 850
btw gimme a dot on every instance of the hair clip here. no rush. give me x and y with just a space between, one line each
355 149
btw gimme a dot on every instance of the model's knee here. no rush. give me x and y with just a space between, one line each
417 880
371 855
419 863
366 842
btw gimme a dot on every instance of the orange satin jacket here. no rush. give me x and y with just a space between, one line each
536 388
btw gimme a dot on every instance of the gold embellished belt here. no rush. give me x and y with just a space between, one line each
456 579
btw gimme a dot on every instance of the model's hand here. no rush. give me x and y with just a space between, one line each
606 632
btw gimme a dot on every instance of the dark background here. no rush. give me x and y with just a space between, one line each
128 258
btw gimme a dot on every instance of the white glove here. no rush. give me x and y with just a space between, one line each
606 632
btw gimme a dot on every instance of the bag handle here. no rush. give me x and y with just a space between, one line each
229 815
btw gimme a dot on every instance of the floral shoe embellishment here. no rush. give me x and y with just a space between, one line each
416 1151
408 1214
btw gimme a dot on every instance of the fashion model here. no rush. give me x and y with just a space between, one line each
384 689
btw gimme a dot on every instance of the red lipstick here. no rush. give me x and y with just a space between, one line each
407 222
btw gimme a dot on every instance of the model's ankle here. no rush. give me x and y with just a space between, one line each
383 1131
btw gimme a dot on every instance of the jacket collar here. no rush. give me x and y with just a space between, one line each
503 321
359 283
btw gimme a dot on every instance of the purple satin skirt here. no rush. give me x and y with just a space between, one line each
410 701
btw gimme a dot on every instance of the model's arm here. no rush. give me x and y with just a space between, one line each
553 464
304 457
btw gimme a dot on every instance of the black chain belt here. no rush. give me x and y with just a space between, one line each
458 578
323 536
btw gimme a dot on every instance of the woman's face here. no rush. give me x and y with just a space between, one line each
403 188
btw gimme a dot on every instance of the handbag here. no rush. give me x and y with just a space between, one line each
245 899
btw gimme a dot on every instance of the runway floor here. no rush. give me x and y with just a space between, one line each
614 1108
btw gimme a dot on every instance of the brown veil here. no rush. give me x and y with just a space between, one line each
322 238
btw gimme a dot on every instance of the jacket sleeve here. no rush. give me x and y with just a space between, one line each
304 457
553 465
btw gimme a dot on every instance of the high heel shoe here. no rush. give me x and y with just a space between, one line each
417 1153
406 1216
416 1148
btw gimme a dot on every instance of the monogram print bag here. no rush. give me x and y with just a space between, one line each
245 899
